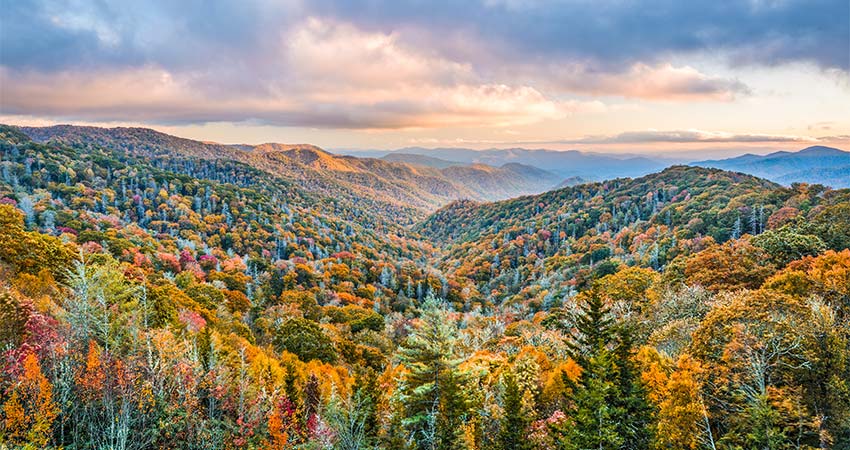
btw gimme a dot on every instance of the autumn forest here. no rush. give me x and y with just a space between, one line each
157 293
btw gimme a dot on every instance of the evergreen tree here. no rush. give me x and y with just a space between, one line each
594 329
512 430
634 425
610 409
593 421
367 390
435 404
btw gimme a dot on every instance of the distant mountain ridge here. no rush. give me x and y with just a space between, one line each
566 163
815 165
420 160
401 188
572 181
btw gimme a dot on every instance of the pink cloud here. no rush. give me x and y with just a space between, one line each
325 75
662 82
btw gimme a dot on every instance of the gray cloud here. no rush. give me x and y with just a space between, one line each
610 33
61 34
604 34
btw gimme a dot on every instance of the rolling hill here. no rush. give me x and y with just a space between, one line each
420 160
399 190
540 245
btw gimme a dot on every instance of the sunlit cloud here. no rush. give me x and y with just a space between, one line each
662 82
686 136
646 137
331 75
378 67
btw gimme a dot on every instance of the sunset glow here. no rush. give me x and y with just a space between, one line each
642 77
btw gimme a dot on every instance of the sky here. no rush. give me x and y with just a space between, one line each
600 75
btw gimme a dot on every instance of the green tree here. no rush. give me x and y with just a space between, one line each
305 339
634 424
827 382
594 417
610 407
102 303
435 404
512 430
785 245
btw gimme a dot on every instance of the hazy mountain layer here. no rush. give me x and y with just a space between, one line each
814 165
568 163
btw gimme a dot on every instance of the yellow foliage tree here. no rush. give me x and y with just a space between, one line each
30 252
634 285
681 414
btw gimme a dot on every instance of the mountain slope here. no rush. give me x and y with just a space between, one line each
838 177
340 197
543 242
399 192
203 302
814 165
421 186
167 202
626 200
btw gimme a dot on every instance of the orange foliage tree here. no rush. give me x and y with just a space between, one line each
29 413
734 265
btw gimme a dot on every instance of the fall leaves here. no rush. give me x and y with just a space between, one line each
30 410
190 304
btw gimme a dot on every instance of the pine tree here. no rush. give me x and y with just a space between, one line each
512 430
594 418
631 399
611 411
593 421
594 328
435 404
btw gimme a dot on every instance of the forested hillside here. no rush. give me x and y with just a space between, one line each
399 192
162 293
547 243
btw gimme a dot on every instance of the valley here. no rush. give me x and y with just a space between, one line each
200 295
424 225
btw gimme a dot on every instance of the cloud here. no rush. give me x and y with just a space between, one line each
604 34
58 35
324 75
686 136
391 63
612 34
660 82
